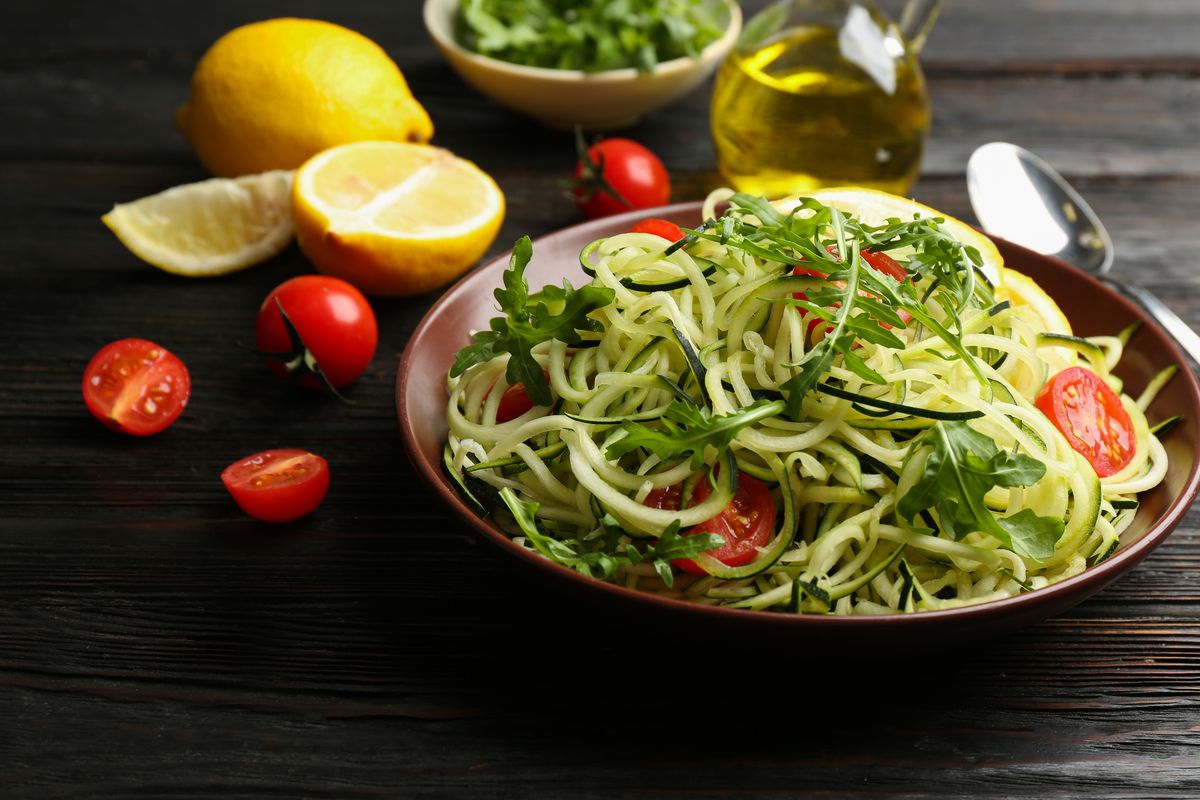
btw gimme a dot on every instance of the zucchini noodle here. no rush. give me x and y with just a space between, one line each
718 323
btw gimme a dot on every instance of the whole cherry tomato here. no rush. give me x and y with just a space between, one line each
618 175
332 333
659 227
136 386
745 524
1090 415
278 485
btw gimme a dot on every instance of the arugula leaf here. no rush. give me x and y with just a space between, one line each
671 545
529 320
962 466
858 302
809 371
687 428
569 552
599 562
840 339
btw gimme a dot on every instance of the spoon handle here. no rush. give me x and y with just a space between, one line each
1184 336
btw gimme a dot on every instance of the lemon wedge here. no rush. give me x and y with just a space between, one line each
394 218
209 228
875 207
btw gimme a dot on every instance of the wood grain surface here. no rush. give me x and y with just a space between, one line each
154 642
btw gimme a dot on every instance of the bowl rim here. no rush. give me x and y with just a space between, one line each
445 40
1094 577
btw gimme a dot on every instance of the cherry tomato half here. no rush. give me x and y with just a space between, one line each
136 386
624 167
745 524
1091 417
278 485
513 403
880 262
659 227
335 325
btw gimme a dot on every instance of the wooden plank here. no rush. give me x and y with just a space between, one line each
253 693
73 100
1152 223
1058 31
968 31
158 643
1091 126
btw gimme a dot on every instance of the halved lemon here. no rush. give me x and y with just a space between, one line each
209 228
394 218
875 207
1022 290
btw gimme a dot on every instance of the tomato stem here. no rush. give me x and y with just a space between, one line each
299 360
591 177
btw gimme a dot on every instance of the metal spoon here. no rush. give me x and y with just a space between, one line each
1019 197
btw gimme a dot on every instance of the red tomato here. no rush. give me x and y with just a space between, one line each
335 325
659 227
278 485
745 524
1090 415
135 386
667 498
613 167
513 403
880 262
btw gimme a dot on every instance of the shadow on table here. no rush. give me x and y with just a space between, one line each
539 653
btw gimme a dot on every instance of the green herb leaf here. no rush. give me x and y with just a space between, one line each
568 552
553 313
671 545
600 561
686 428
588 35
962 466
860 302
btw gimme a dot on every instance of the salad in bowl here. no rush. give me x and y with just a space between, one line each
841 404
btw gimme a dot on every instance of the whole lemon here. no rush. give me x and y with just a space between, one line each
271 94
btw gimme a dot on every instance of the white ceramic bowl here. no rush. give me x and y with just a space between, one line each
562 98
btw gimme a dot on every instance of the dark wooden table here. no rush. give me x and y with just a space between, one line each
154 641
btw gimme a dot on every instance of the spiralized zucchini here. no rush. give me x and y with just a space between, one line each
728 334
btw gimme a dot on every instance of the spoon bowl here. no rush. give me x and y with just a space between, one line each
1019 197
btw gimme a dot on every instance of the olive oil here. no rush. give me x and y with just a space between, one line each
814 107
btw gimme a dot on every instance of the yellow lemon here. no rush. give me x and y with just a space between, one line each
209 228
272 94
394 218
1022 290
875 207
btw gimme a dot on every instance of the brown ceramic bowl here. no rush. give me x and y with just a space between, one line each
1093 309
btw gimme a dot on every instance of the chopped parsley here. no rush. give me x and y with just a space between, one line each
588 35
